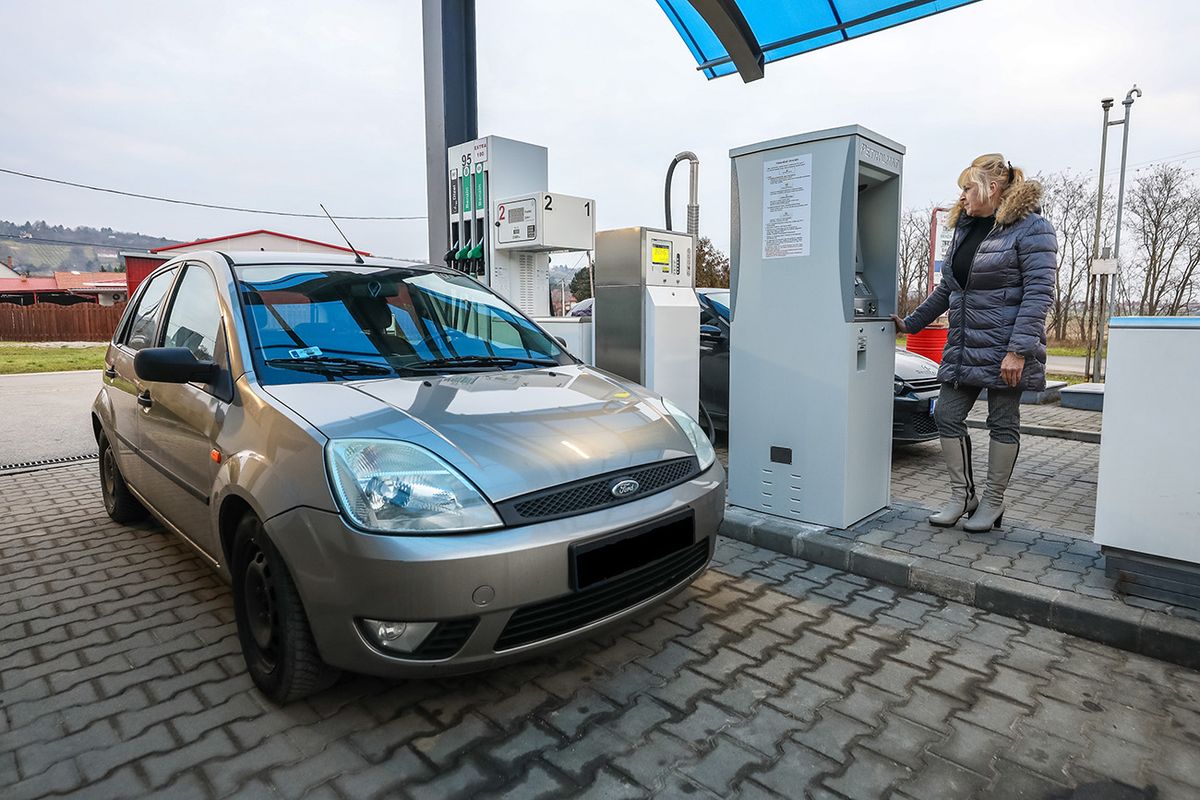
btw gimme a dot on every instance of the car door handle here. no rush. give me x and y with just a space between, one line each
110 371
144 400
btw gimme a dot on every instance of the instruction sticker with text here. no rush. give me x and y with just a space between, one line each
787 196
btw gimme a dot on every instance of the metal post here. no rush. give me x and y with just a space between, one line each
451 106
1106 104
1112 300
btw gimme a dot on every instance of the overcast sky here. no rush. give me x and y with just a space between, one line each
281 105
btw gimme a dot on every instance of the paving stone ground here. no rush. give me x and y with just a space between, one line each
120 676
1051 415
1053 486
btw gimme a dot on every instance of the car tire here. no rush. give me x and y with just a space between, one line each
119 502
273 629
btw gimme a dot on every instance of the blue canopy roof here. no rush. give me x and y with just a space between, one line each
728 36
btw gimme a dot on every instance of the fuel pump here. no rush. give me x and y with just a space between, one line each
504 222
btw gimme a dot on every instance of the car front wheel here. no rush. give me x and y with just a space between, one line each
273 629
119 502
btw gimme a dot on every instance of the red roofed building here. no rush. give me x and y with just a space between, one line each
107 288
139 265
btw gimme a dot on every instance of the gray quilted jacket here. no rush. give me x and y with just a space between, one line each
1003 307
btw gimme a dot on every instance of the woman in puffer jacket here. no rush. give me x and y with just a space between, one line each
997 283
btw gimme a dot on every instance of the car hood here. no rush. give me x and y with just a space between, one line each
510 432
913 367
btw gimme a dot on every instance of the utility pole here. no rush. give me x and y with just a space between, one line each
1106 296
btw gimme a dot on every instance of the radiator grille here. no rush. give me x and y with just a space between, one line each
592 494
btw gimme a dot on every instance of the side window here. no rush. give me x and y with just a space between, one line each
143 327
194 319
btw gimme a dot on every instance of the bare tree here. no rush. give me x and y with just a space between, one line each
1069 203
1165 229
913 277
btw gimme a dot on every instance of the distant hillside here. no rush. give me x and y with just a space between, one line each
34 249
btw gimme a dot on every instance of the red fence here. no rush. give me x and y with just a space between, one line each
46 322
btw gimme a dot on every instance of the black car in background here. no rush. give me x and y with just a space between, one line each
916 385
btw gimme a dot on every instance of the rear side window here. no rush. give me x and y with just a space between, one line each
143 327
194 320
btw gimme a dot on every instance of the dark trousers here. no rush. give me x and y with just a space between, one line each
1004 412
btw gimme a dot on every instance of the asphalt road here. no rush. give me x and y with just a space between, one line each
45 415
1066 365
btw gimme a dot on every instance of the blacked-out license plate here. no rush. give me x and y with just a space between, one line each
599 560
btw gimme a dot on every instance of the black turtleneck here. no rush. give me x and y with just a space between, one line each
977 230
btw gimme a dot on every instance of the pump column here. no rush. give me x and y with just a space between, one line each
646 316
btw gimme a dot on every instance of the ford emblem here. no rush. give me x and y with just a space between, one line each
625 488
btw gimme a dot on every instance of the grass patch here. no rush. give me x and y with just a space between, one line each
901 340
1070 379
16 357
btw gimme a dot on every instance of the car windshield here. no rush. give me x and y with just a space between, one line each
720 303
322 323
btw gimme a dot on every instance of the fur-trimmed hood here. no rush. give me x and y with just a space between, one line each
1018 202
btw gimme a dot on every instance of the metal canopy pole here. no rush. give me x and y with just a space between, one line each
451 105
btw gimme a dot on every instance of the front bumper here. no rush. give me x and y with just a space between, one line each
344 575
912 418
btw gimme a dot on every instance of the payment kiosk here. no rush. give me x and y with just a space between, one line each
814 253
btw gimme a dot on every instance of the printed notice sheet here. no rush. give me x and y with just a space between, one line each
787 193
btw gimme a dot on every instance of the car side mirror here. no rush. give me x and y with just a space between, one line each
561 341
172 365
710 332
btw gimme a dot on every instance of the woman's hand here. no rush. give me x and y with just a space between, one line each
899 324
1011 368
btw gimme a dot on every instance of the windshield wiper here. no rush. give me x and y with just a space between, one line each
480 361
331 365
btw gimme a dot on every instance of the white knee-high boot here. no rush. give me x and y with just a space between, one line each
1002 457
957 454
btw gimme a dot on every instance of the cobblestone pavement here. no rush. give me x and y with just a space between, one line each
769 677
1053 487
1051 415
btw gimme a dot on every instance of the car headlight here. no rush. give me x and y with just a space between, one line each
695 434
899 386
396 487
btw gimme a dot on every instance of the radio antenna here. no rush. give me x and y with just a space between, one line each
357 258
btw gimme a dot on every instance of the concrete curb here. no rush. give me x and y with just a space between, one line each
1110 622
1054 433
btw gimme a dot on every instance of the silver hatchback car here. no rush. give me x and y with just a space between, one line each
397 471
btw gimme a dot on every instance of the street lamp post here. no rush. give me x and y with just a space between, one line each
1106 296
1106 104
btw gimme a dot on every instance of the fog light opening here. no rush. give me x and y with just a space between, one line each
396 637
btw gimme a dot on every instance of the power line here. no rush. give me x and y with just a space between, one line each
195 204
